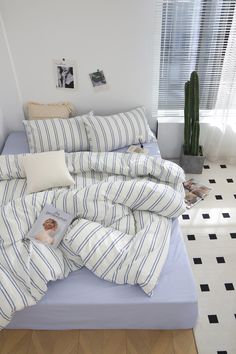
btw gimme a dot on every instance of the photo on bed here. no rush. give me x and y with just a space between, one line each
50 226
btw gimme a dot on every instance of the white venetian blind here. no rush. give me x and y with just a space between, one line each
194 36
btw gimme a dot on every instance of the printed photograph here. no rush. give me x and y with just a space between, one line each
50 226
48 232
98 78
191 199
65 75
197 188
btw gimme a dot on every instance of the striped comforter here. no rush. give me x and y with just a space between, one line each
124 203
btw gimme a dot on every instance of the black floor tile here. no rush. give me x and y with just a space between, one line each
185 217
197 260
213 319
191 237
212 181
204 287
218 197
230 180
229 286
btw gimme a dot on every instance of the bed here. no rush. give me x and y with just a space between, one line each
83 301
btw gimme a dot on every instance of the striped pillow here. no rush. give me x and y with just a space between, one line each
106 133
56 134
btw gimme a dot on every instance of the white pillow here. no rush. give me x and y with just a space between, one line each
46 170
56 134
106 133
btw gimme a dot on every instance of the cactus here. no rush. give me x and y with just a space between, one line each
187 119
191 116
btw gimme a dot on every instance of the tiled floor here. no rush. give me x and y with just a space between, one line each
209 230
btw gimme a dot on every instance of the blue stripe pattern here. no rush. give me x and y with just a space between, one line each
124 206
107 133
56 134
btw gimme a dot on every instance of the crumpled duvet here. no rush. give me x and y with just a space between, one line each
124 204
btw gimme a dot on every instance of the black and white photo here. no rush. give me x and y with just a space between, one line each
65 74
98 78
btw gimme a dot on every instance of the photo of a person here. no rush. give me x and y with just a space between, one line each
46 236
50 226
65 75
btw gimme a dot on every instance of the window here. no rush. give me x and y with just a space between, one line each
194 36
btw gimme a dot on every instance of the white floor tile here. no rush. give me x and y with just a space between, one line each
210 238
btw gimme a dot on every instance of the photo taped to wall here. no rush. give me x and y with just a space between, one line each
98 78
65 74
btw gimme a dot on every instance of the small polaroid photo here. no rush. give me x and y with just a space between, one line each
65 74
98 78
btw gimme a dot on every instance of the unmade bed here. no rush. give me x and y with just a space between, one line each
82 300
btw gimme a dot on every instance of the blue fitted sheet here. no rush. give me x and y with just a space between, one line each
84 301
16 143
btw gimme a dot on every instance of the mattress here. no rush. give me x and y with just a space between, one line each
16 143
83 301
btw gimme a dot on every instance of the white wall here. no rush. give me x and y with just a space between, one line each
3 132
11 113
171 137
112 35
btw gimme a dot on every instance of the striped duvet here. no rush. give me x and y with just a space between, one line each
124 203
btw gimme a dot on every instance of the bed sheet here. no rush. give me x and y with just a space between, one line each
16 143
83 301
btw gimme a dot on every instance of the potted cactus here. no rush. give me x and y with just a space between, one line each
192 159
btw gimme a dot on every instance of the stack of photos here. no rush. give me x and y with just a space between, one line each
194 192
